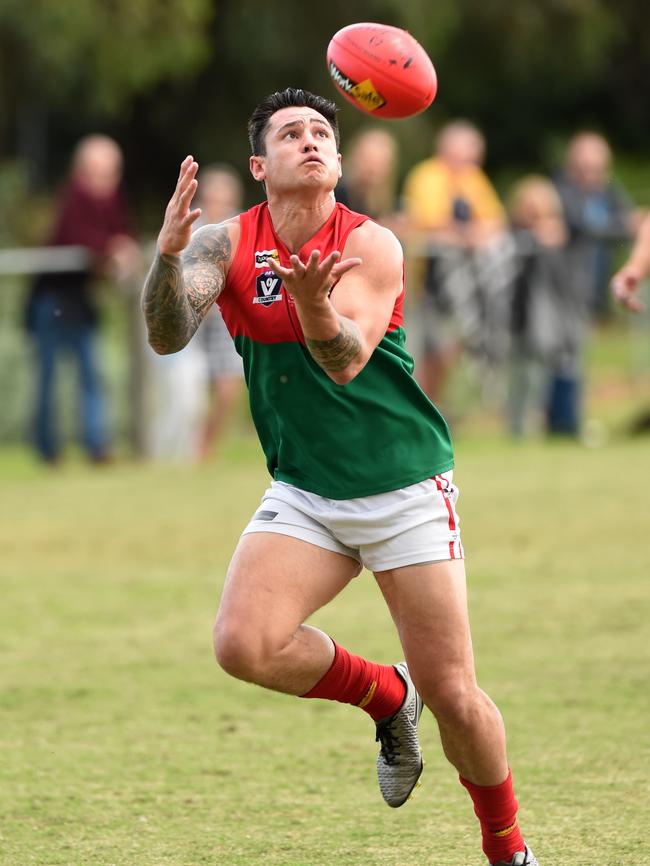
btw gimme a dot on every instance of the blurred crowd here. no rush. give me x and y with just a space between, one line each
510 289
513 288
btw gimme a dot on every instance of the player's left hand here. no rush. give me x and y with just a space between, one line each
312 282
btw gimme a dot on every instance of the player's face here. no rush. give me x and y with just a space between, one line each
301 152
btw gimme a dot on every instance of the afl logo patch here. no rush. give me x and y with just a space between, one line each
267 288
262 255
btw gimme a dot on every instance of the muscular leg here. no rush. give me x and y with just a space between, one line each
429 606
274 583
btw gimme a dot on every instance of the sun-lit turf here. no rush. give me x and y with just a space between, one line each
122 743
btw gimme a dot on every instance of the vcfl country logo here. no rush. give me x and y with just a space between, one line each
267 288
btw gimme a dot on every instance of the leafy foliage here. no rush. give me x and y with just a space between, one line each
100 54
169 77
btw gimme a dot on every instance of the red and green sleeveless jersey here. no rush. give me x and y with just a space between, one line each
377 433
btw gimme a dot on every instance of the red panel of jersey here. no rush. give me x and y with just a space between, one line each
254 302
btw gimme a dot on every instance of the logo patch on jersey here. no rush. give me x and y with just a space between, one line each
262 255
267 288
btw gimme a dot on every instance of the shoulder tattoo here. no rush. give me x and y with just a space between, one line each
203 266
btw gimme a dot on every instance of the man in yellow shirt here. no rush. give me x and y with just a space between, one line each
459 227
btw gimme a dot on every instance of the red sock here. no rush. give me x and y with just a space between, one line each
496 808
377 689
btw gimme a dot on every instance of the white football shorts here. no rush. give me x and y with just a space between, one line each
415 524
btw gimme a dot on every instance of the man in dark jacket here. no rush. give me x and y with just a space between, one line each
61 314
598 214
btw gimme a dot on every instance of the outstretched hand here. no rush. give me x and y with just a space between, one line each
176 231
625 287
312 282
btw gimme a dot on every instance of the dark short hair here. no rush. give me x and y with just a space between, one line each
259 119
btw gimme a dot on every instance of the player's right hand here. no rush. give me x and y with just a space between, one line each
176 231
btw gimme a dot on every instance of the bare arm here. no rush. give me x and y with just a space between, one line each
180 289
627 281
641 252
188 272
336 354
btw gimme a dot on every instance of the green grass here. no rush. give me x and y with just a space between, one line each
122 743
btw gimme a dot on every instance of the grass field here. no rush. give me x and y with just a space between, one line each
122 743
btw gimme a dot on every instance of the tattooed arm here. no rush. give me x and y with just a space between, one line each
336 354
189 270
180 289
343 325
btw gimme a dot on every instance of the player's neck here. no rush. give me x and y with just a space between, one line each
296 220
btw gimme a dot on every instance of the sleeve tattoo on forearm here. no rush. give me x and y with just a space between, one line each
179 290
337 353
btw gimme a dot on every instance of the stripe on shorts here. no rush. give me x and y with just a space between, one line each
452 520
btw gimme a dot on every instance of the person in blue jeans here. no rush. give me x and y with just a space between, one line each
61 314
598 215
54 334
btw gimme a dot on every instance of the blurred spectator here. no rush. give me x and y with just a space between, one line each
468 257
198 388
61 313
178 395
220 197
597 214
369 179
542 320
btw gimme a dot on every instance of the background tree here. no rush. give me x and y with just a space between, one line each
65 65
170 77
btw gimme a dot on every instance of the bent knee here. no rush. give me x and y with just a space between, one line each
246 653
455 703
235 651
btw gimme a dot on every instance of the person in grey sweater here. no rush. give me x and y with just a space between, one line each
543 319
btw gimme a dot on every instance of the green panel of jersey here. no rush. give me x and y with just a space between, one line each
377 433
